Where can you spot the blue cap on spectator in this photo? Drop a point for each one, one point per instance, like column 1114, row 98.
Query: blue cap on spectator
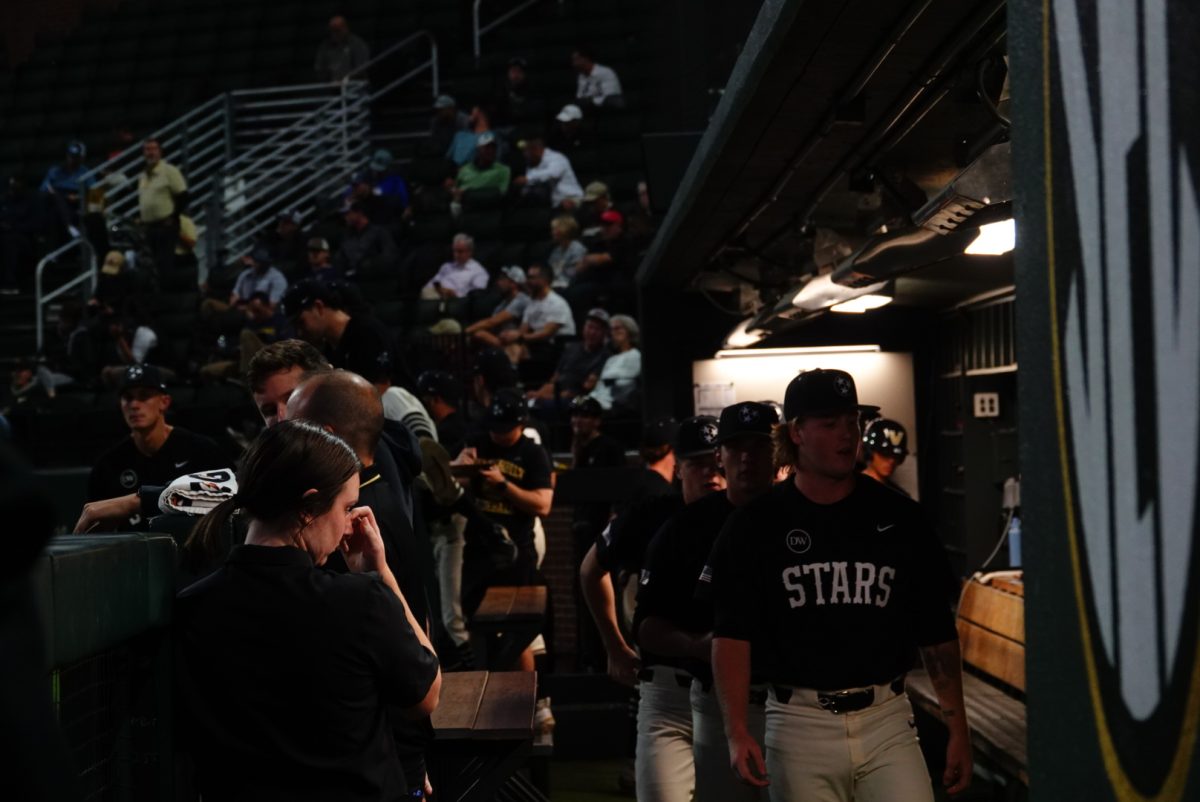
column 486, row 138
column 261, row 255
column 76, row 148
column 445, row 102
column 381, row 160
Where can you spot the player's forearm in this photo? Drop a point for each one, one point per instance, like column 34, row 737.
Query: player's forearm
column 731, row 675
column 943, row 662
column 601, row 599
column 660, row 636
column 532, row 502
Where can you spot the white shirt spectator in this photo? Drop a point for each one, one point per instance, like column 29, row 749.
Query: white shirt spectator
column 401, row 405
column 555, row 169
column 461, row 279
column 602, row 84
column 270, row 281
column 618, row 378
column 551, row 309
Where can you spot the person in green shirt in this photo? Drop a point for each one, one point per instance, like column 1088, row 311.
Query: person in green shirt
column 483, row 172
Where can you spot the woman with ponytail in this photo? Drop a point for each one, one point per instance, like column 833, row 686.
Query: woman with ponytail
column 284, row 669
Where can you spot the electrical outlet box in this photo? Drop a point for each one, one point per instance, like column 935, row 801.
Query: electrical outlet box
column 987, row 405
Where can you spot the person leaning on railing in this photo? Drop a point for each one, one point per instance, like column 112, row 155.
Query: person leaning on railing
column 284, row 670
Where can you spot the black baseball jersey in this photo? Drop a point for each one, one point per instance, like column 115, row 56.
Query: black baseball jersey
column 651, row 502
column 368, row 349
column 123, row 469
column 831, row 596
column 601, row 451
column 674, row 561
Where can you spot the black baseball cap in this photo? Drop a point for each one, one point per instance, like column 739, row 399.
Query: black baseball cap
column 586, row 406
column 746, row 418
column 437, row 382
column 822, row 392
column 495, row 368
column 659, row 432
column 887, row 437
column 303, row 294
column 696, row 436
column 141, row 376
column 506, row 411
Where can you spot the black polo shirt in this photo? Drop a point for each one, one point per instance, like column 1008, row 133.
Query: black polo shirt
column 284, row 672
column 601, row 451
column 527, row 466
column 123, row 469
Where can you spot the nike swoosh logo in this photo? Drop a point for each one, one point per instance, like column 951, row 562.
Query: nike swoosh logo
column 181, row 464
column 882, row 528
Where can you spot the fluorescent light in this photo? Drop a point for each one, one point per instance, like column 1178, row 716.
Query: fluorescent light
column 822, row 293
column 822, row 349
column 741, row 338
column 994, row 239
column 856, row 306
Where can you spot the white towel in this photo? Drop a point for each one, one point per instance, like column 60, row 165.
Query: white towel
column 198, row 493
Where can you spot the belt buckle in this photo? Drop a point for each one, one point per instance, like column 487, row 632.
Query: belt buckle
column 846, row 701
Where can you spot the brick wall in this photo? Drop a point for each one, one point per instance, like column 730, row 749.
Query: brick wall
column 560, row 568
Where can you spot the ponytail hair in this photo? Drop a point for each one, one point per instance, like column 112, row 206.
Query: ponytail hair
column 281, row 465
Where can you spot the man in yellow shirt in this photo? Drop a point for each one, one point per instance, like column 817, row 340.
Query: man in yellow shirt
column 162, row 195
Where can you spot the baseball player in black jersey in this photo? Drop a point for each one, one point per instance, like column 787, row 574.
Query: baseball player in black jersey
column 828, row 585
column 663, row 763
column 885, row 445
column 675, row 620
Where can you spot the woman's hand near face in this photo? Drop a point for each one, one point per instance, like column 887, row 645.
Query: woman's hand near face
column 363, row 548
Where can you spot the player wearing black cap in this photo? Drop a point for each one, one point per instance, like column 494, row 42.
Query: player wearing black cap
column 675, row 619
column 440, row 394
column 829, row 583
column 885, row 445
column 155, row 452
column 663, row 764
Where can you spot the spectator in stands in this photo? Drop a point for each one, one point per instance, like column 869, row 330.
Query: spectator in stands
column 238, row 689
column 286, row 242
column 78, row 354
column 324, row 315
column 640, row 222
column 566, row 258
column 548, row 175
column 514, row 94
column 462, row 146
column 367, row 248
column 591, row 448
column 162, row 197
column 569, row 135
column 30, row 383
column 128, row 344
column 319, row 265
column 458, row 276
column 340, row 54
column 612, row 256
column 547, row 317
column 258, row 276
column 620, row 378
column 507, row 314
column 596, row 201
column 483, row 171
column 492, row 371
column 65, row 183
column 155, row 452
column 19, row 222
column 440, row 394
column 578, row 368
column 447, row 121
column 264, row 324
column 348, row 407
column 597, row 85
column 114, row 285
column 380, row 187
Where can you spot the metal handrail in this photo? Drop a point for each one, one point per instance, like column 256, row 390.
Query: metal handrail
column 478, row 31
column 433, row 56
column 41, row 300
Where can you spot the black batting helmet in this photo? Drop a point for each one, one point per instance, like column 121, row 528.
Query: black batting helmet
column 885, row 436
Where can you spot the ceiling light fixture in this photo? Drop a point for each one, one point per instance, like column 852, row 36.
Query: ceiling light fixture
column 856, row 306
column 821, row 293
column 742, row 336
column 994, row 239
column 806, row 351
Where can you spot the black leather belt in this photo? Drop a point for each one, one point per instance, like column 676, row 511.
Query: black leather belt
column 682, row 680
column 842, row 702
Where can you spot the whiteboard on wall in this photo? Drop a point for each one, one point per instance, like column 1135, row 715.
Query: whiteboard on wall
column 884, row 379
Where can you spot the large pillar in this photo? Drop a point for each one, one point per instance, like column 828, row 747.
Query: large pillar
column 1108, row 289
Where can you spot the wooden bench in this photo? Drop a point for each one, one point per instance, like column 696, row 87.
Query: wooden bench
column 483, row 732
column 514, row 616
column 991, row 632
